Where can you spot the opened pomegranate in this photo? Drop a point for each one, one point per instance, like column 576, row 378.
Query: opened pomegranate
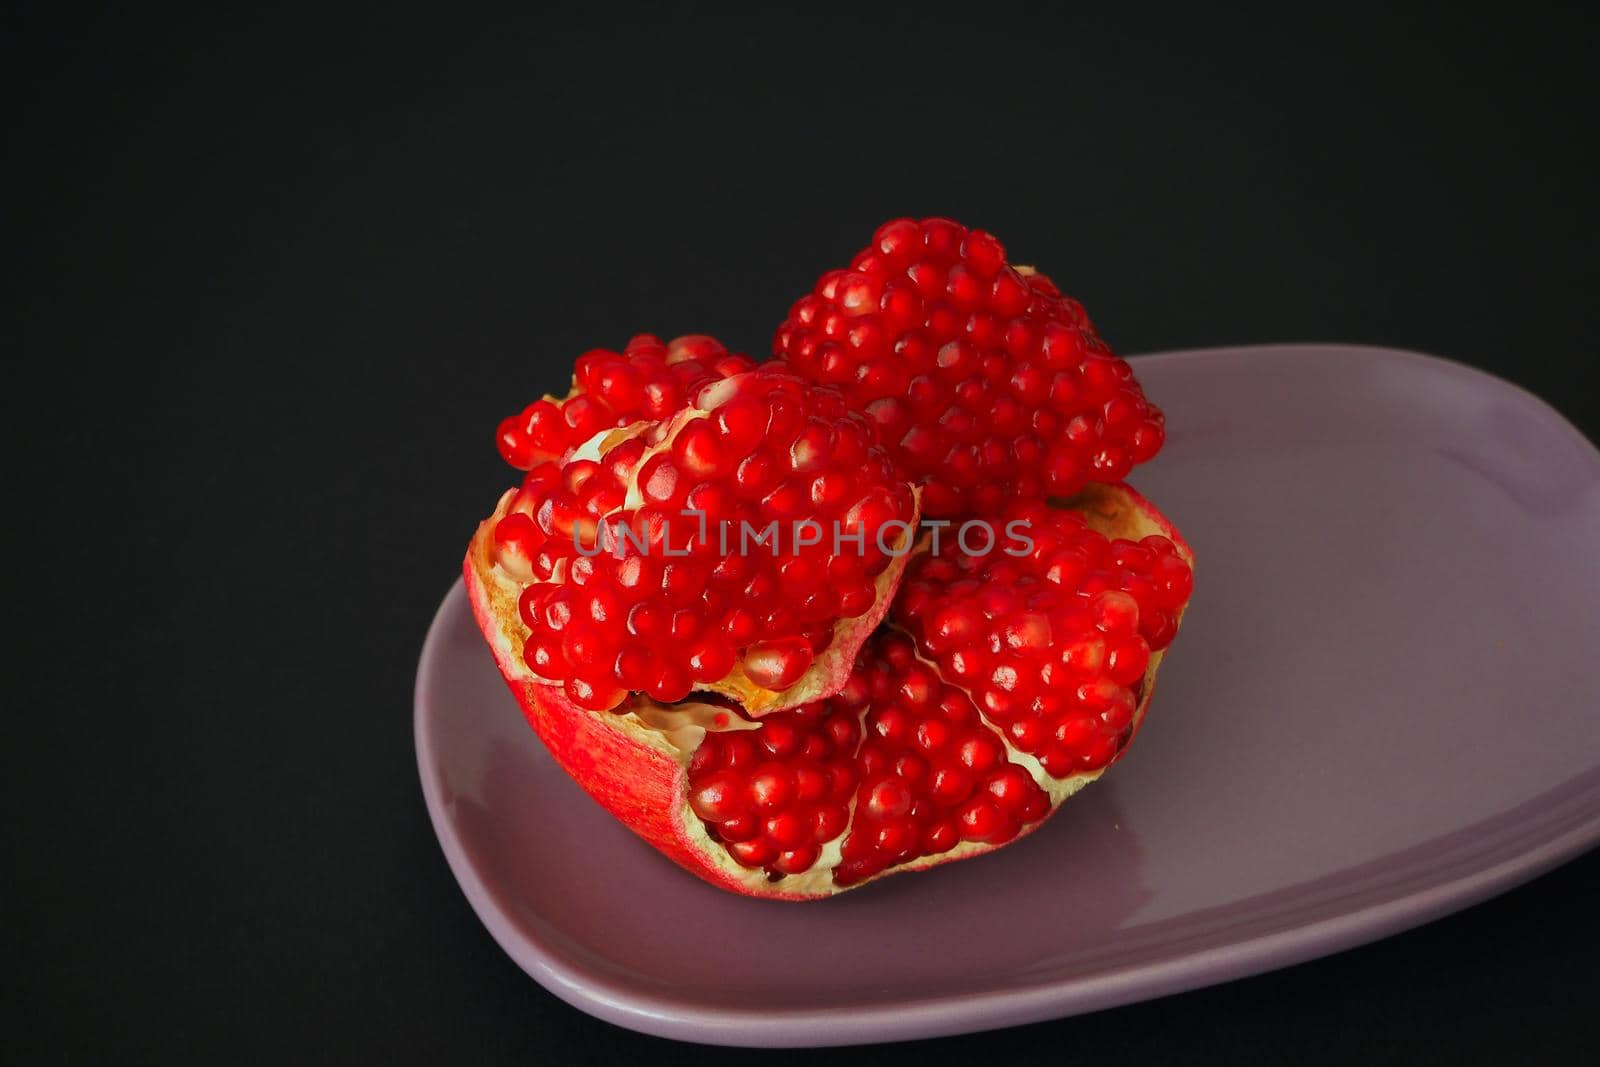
column 744, row 545
column 986, row 382
column 1010, row 674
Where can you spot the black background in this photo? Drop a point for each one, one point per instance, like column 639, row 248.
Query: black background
column 282, row 274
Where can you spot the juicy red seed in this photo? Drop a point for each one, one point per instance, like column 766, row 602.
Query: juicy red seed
column 594, row 696
column 979, row 752
column 756, row 852
column 777, row 664
column 720, row 797
column 771, row 787
column 672, row 684
column 828, row 822
column 710, row 658
column 636, row 667
column 1009, row 787
column 810, row 783
column 1126, row 663
column 787, row 829
column 1115, row 611
column 941, row 836
column 981, row 820
column 894, row 839
column 887, row 799
column 738, row 751
column 517, row 540
column 796, row 860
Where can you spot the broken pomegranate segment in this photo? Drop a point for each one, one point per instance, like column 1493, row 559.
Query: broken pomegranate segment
column 647, row 381
column 745, row 544
column 1052, row 636
column 986, row 382
column 1002, row 684
column 897, row 765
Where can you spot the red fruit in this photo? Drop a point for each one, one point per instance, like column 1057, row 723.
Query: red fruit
column 643, row 534
column 987, row 383
column 905, row 765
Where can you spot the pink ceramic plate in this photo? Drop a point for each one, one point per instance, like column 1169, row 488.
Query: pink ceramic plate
column 1382, row 708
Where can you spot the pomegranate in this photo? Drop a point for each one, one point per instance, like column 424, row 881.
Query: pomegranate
column 987, row 383
column 866, row 692
column 1004, row 681
column 745, row 544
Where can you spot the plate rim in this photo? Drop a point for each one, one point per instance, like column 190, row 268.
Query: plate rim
column 944, row 1014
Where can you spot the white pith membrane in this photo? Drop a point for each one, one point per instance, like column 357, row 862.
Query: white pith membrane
column 678, row 730
column 833, row 661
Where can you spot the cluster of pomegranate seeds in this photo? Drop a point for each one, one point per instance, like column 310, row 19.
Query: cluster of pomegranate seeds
column 933, row 774
column 1052, row 645
column 774, row 796
column 739, row 532
column 986, row 382
column 647, row 380
column 924, row 770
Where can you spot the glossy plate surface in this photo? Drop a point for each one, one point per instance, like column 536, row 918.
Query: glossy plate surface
column 1383, row 707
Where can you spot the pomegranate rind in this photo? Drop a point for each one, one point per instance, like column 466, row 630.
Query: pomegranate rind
column 641, row 777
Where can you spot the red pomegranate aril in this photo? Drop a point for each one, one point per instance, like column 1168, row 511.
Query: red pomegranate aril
column 596, row 697
column 940, row 836
column 1009, row 787
column 828, row 822
column 636, row 668
column 672, row 684
column 950, row 783
column 710, row 658
column 787, row 829
column 894, row 839
column 1115, row 612
column 978, row 753
column 1127, row 661
column 755, row 852
column 978, row 818
column 542, row 653
column 932, row 735
column 771, row 787
column 777, row 664
column 1028, row 734
column 720, row 798
column 517, row 540
column 739, row 751
column 888, row 799
column 796, row 860
column 810, row 783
